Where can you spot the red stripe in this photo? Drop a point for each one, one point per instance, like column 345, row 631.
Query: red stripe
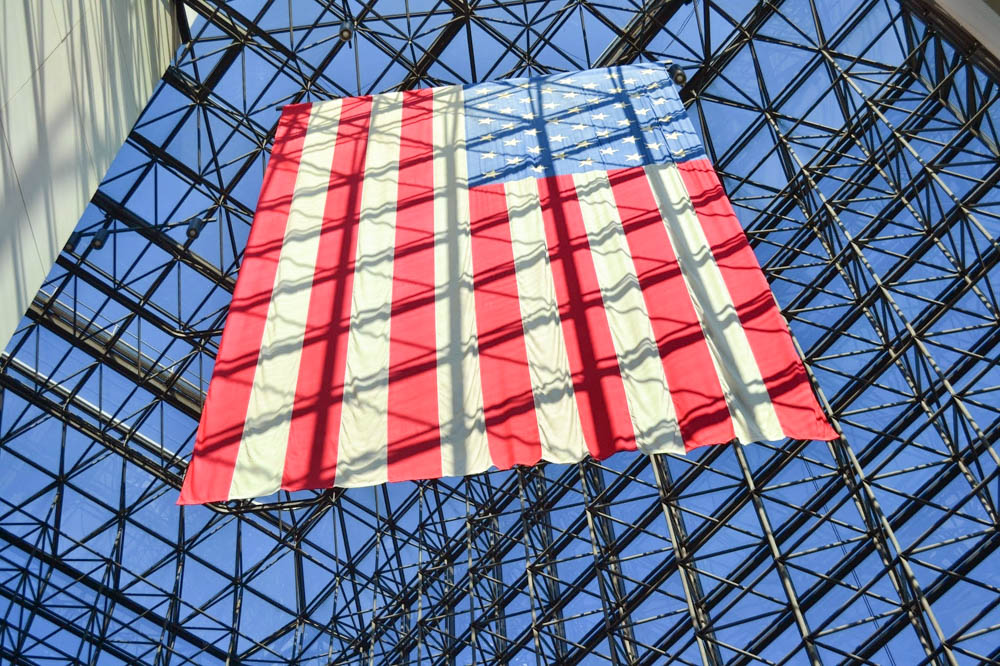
column 414, row 444
column 311, row 458
column 694, row 386
column 210, row 474
column 593, row 362
column 784, row 375
column 511, row 425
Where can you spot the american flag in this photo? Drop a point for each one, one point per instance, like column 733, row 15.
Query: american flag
column 445, row 280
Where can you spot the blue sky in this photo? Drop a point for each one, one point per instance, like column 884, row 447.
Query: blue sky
column 69, row 495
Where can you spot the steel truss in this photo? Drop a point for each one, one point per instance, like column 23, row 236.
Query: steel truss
column 859, row 144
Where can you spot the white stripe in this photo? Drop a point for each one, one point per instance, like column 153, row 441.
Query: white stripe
column 464, row 448
column 548, row 365
column 363, row 442
column 653, row 416
column 260, row 461
column 754, row 418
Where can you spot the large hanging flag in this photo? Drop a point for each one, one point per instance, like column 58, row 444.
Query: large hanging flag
column 443, row 280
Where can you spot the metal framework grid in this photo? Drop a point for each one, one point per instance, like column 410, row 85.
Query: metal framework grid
column 859, row 145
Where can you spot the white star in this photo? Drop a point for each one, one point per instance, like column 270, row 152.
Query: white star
column 599, row 116
column 593, row 100
column 603, row 133
column 629, row 139
column 642, row 112
column 485, row 121
column 609, row 76
column 534, row 150
column 532, row 131
column 614, row 90
column 634, row 157
column 538, row 169
column 590, row 86
column 579, row 128
column 506, row 109
column 559, row 156
column 568, row 80
column 575, row 109
column 507, row 126
column 586, row 162
column 489, row 156
column 653, row 145
column 506, row 94
column 569, row 95
column 583, row 144
column 623, row 122
column 527, row 116
column 523, row 85
column 525, row 100
column 486, row 105
column 513, row 160
column 486, row 137
column 490, row 174
column 680, row 152
column 659, row 101
column 608, row 151
column 557, row 137
column 629, row 81
column 548, row 89
column 549, row 105
column 671, row 135
column 619, row 105
column 511, row 142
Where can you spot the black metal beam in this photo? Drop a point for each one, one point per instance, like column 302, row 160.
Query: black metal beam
column 120, row 598
column 462, row 14
column 145, row 372
column 634, row 38
column 933, row 13
column 454, row 557
column 63, row 404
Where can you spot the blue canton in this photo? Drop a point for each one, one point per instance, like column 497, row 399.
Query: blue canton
column 599, row 119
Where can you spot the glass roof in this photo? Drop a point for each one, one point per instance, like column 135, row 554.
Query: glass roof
column 859, row 147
